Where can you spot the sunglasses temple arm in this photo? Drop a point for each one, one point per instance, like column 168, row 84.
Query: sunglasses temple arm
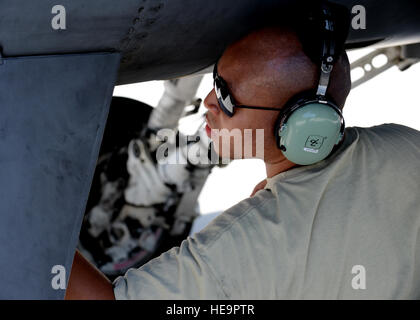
column 258, row 108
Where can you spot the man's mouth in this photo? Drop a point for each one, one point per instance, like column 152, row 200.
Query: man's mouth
column 208, row 128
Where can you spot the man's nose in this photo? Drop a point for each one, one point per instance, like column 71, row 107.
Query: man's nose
column 211, row 103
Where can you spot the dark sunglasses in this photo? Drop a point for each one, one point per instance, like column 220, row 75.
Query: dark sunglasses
column 225, row 99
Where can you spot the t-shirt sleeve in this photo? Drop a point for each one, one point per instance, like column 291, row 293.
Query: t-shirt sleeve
column 180, row 273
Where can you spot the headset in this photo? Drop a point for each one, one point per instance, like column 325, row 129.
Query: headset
column 310, row 124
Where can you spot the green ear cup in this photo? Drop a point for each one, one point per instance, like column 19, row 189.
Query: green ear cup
column 310, row 133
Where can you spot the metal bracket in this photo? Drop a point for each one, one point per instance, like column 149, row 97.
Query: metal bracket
column 395, row 57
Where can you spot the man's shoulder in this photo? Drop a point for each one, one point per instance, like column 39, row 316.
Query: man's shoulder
column 389, row 130
column 393, row 142
column 242, row 213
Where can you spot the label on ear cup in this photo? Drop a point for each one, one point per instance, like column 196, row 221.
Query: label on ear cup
column 310, row 150
column 314, row 142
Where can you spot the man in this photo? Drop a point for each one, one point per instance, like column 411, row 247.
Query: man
column 345, row 227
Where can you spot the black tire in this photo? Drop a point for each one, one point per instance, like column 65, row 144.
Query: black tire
column 126, row 120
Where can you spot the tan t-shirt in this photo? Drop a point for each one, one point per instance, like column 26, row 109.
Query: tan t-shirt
column 347, row 227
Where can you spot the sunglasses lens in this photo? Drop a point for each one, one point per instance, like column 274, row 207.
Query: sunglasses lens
column 223, row 98
column 222, row 93
column 225, row 110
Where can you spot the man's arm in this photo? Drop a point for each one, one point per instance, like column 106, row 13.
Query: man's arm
column 87, row 283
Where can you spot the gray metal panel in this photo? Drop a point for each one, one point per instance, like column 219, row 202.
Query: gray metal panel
column 161, row 39
column 95, row 25
column 52, row 115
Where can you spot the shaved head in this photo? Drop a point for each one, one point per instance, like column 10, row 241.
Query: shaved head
column 273, row 61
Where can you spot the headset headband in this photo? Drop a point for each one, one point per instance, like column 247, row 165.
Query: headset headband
column 328, row 50
column 322, row 28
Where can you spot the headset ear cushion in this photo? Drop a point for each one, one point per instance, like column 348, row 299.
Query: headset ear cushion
column 297, row 99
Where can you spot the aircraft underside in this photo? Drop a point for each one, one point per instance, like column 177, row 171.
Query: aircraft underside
column 56, row 87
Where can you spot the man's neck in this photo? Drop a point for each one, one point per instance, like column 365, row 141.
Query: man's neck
column 275, row 167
